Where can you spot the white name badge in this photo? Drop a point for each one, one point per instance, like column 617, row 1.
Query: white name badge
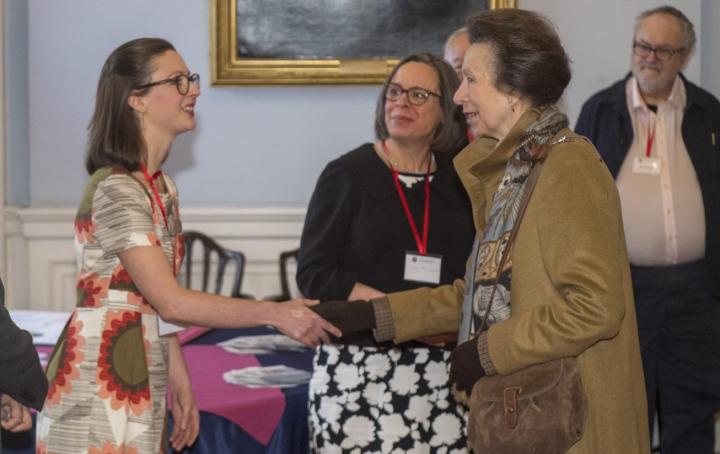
column 167, row 328
column 646, row 166
column 423, row 268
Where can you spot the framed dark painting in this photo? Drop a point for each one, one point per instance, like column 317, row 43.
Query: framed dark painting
column 270, row 42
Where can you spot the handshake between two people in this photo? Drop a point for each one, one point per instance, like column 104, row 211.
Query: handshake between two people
column 358, row 317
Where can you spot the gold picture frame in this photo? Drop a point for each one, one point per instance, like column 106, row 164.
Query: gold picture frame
column 227, row 68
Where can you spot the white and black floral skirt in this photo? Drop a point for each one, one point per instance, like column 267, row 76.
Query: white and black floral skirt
column 384, row 400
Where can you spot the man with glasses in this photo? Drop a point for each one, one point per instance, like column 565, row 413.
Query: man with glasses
column 658, row 134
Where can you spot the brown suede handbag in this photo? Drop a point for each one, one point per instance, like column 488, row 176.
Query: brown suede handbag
column 540, row 409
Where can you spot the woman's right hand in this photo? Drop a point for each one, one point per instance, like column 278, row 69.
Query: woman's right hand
column 295, row 319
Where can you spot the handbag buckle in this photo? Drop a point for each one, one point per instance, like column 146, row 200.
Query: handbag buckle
column 510, row 395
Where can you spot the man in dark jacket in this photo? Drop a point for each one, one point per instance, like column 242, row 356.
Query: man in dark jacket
column 659, row 135
column 22, row 380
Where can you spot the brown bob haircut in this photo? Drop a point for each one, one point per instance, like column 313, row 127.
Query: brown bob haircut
column 115, row 136
column 451, row 134
column 529, row 58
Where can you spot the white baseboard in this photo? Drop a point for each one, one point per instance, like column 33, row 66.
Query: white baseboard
column 40, row 258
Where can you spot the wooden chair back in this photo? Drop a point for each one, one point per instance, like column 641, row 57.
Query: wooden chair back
column 214, row 256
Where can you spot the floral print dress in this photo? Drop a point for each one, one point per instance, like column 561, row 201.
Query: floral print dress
column 108, row 372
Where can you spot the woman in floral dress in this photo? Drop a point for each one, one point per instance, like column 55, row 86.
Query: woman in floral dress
column 111, row 367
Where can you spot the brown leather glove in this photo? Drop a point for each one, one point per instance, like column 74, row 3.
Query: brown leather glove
column 348, row 316
column 465, row 367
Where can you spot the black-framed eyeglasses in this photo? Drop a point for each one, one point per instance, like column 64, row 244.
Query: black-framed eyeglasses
column 416, row 95
column 181, row 82
column 662, row 53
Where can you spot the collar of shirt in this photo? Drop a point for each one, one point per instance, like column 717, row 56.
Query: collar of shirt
column 676, row 100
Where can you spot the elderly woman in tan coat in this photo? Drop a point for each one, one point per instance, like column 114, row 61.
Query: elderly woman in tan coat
column 565, row 289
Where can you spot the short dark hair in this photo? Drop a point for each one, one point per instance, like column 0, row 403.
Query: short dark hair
column 529, row 58
column 451, row 135
column 688, row 29
column 115, row 135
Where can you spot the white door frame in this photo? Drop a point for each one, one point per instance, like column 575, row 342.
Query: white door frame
column 3, row 179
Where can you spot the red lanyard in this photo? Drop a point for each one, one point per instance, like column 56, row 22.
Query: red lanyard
column 470, row 135
column 650, row 140
column 151, row 182
column 421, row 244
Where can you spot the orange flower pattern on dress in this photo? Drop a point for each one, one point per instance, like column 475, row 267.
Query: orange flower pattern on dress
column 109, row 448
column 63, row 365
column 120, row 280
column 84, row 230
column 91, row 289
column 40, row 448
column 138, row 300
column 179, row 253
column 110, row 356
column 122, row 374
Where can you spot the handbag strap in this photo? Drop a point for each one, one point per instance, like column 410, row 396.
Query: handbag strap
column 529, row 187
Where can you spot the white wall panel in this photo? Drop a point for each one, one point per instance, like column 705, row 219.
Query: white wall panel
column 41, row 257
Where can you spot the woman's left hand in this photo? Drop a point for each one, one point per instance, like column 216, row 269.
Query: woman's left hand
column 186, row 417
column 465, row 367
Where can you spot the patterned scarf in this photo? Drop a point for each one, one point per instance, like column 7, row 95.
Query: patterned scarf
column 503, row 214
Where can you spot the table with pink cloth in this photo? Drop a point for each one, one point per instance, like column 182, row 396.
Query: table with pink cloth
column 235, row 418
column 241, row 405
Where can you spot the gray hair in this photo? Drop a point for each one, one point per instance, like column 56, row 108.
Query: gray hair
column 459, row 32
column 688, row 30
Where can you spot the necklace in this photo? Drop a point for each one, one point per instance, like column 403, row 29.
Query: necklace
column 394, row 165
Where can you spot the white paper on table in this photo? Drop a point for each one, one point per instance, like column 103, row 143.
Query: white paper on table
column 262, row 344
column 45, row 326
column 279, row 376
column 166, row 328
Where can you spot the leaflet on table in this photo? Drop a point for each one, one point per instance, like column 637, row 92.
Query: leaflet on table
column 45, row 326
column 165, row 328
column 261, row 344
column 191, row 333
column 279, row 376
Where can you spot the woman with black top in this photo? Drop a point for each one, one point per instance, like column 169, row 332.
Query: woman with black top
column 386, row 217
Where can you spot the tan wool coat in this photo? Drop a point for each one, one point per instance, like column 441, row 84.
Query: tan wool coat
column 571, row 291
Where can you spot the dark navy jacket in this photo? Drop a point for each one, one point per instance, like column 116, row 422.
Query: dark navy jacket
column 605, row 120
column 21, row 376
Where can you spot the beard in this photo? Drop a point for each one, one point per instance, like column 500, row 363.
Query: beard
column 652, row 81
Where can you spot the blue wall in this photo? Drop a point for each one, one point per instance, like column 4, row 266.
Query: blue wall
column 254, row 146
column 17, row 163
